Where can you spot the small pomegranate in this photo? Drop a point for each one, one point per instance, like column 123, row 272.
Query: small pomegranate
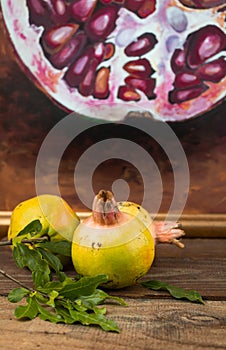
column 118, row 240
column 57, row 218
column 109, row 57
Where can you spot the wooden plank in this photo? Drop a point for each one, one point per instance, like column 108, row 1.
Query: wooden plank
column 201, row 265
column 152, row 320
column 197, row 225
column 145, row 324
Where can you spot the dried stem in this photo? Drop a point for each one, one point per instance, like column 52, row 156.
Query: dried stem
column 31, row 241
column 15, row 280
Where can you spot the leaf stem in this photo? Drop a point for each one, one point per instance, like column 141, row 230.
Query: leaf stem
column 32, row 240
column 15, row 280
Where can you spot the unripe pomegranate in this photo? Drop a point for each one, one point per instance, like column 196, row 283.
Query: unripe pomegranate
column 118, row 240
column 57, row 218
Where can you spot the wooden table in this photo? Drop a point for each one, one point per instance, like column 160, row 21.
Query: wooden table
column 152, row 320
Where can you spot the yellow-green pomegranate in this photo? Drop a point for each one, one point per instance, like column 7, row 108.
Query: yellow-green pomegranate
column 116, row 240
column 56, row 216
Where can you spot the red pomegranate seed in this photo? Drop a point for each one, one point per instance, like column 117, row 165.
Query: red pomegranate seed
column 77, row 71
column 106, row 1
column 133, row 5
column 146, row 9
column 140, row 68
column 59, row 11
column 99, row 51
column 203, row 44
column 213, row 71
column 127, row 93
column 109, row 51
column 102, row 23
column 142, row 45
column 82, row 10
column 179, row 96
column 54, row 38
column 38, row 12
column 86, row 86
column 69, row 52
column 147, row 85
column 178, row 60
column 186, row 79
column 101, row 87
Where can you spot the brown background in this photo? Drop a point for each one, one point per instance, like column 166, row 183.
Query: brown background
column 27, row 115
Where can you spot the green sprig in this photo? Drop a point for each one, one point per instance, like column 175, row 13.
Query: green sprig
column 64, row 299
column 175, row 292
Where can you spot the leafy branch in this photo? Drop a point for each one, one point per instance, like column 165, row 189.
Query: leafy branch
column 56, row 297
column 59, row 305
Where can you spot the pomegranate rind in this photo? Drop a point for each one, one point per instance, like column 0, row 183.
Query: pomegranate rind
column 50, row 80
column 123, row 252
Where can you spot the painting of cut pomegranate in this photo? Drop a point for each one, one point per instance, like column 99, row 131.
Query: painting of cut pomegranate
column 106, row 58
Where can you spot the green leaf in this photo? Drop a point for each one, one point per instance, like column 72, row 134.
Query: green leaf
column 61, row 247
column 49, row 286
column 18, row 257
column 33, row 228
column 28, row 311
column 52, row 260
column 46, row 315
column 31, row 258
column 64, row 313
column 98, row 297
column 17, row 294
column 99, row 319
column 84, row 286
column 176, row 292
column 52, row 296
column 55, row 285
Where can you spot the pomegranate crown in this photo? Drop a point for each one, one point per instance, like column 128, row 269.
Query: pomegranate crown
column 105, row 210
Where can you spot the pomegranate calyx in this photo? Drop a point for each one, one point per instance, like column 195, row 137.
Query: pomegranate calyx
column 105, row 210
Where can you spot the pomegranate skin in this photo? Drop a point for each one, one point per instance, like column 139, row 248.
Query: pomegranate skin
column 118, row 239
column 109, row 96
column 115, row 240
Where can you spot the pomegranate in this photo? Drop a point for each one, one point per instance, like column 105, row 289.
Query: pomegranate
column 118, row 240
column 105, row 58
column 57, row 218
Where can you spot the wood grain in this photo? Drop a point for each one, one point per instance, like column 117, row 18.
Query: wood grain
column 146, row 324
column 201, row 265
column 152, row 320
